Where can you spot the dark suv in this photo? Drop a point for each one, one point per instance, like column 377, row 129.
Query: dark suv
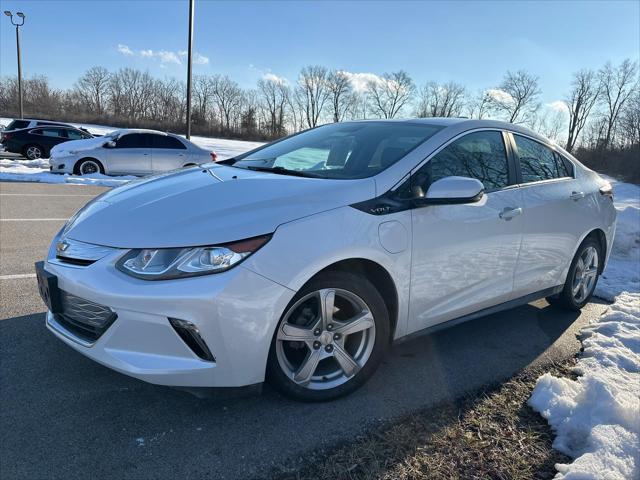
column 37, row 142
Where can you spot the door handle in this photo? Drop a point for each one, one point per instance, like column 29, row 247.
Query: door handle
column 577, row 195
column 508, row 213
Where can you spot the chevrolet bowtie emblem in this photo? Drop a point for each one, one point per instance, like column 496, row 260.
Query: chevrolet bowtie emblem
column 61, row 246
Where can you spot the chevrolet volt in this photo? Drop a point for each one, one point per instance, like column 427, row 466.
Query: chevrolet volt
column 300, row 262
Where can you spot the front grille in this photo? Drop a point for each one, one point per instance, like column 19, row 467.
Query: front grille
column 83, row 318
column 80, row 253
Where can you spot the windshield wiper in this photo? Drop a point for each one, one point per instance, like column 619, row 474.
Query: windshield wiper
column 282, row 171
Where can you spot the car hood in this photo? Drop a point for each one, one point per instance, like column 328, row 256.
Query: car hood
column 205, row 206
column 78, row 145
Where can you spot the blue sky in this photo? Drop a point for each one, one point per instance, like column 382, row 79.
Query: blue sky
column 473, row 43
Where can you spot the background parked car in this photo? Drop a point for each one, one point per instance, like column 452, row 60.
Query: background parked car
column 128, row 152
column 37, row 142
column 21, row 123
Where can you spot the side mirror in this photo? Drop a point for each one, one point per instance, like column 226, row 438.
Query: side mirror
column 454, row 190
column 110, row 144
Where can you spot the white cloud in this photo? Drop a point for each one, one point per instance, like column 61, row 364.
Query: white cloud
column 198, row 58
column 500, row 95
column 125, row 50
column 168, row 57
column 558, row 106
column 360, row 81
column 272, row 77
column 164, row 56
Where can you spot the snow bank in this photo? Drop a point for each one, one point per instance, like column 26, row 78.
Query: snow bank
column 18, row 170
column 596, row 417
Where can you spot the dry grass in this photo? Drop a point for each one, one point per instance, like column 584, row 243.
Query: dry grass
column 491, row 435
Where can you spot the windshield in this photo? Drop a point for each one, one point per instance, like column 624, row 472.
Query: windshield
column 340, row 150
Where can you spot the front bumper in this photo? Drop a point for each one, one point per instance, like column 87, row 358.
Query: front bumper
column 235, row 312
column 61, row 164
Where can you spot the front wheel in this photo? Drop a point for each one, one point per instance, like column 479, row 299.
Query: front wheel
column 581, row 278
column 88, row 166
column 330, row 339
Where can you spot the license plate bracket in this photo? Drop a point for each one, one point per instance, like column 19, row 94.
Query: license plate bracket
column 48, row 288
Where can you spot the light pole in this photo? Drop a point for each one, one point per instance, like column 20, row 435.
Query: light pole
column 18, row 25
column 189, row 54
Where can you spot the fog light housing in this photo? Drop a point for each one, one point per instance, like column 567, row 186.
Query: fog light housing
column 190, row 335
column 61, row 166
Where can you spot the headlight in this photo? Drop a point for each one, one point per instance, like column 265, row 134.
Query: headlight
column 166, row 263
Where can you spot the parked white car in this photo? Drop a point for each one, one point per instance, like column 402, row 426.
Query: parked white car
column 301, row 261
column 127, row 152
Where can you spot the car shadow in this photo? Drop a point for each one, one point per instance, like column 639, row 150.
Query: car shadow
column 63, row 414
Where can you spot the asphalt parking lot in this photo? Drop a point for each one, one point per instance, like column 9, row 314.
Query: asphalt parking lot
column 64, row 416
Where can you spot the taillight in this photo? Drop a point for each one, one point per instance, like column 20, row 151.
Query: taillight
column 606, row 190
column 5, row 136
column 214, row 156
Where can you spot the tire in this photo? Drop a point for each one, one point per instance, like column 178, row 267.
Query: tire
column 33, row 151
column 325, row 339
column 580, row 284
column 88, row 166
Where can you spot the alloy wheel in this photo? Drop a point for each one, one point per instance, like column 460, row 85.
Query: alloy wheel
column 585, row 275
column 325, row 339
column 33, row 153
column 88, row 167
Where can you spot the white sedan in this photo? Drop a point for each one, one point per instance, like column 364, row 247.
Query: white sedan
column 127, row 152
column 301, row 261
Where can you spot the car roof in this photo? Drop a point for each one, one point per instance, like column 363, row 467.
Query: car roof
column 464, row 124
column 126, row 131
column 41, row 120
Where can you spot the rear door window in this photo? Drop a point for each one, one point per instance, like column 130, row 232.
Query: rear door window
column 165, row 141
column 50, row 132
column 538, row 162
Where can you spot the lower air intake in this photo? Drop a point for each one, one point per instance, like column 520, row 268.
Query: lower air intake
column 190, row 334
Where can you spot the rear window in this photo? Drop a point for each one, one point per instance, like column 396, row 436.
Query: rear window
column 16, row 124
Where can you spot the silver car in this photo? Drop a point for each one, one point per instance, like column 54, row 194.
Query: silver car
column 127, row 152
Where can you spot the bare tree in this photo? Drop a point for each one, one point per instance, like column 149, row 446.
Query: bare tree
column 581, row 99
column 437, row 100
column 341, row 95
column 517, row 96
column 312, row 93
column 389, row 94
column 203, row 90
column 274, row 95
column 630, row 120
column 93, row 87
column 479, row 106
column 228, row 99
column 616, row 85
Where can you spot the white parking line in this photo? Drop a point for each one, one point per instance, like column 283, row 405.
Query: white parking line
column 33, row 219
column 46, row 195
column 15, row 277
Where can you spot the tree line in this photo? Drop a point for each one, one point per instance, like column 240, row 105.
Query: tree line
column 599, row 116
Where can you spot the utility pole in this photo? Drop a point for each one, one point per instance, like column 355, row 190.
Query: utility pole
column 18, row 25
column 189, row 64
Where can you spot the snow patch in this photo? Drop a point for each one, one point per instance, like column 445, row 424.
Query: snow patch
column 596, row 417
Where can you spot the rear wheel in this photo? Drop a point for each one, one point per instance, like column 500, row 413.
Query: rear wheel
column 582, row 277
column 33, row 152
column 88, row 166
column 330, row 339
